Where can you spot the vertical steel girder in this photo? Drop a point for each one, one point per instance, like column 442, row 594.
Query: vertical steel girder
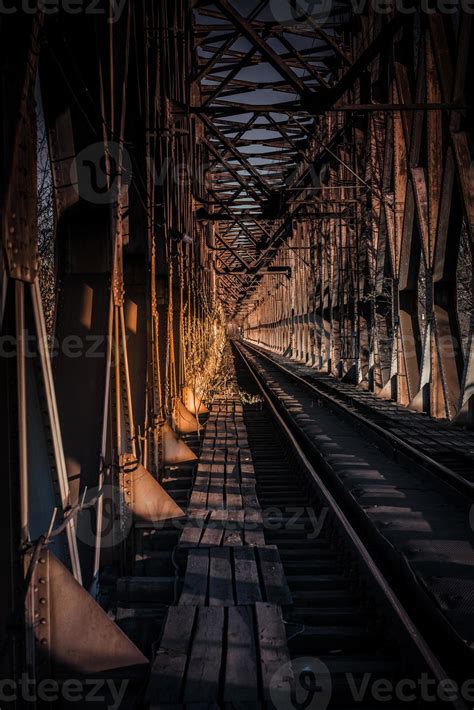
column 59, row 441
column 379, row 296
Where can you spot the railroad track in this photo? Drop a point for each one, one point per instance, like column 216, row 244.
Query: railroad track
column 436, row 454
column 345, row 613
column 442, row 447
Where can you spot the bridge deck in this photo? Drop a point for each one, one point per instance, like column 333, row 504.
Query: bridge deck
column 225, row 638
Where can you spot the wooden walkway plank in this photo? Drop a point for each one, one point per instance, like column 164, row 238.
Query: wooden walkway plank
column 246, row 456
column 204, row 465
column 273, row 576
column 196, row 578
column 194, row 528
column 253, row 529
column 233, row 452
column 249, row 498
column 247, row 469
column 212, row 537
column 169, row 666
column 221, row 588
column 214, row 532
column 215, row 498
column 204, row 668
column 254, row 538
column 232, row 471
column 247, row 583
column 233, row 496
column 241, row 676
column 198, row 499
column 272, row 643
column 207, row 455
column 234, row 531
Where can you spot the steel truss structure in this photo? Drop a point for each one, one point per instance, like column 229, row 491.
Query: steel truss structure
column 306, row 169
column 378, row 217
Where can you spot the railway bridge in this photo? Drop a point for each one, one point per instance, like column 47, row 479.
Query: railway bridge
column 236, row 354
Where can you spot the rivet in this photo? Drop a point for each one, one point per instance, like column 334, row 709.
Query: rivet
column 42, row 580
column 43, row 642
column 43, row 622
column 42, row 600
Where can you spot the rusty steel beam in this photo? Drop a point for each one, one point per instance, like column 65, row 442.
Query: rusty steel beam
column 249, row 32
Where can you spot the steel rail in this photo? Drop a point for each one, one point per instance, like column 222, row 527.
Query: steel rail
column 429, row 465
column 356, row 543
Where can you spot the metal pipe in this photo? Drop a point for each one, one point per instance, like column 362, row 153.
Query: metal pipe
column 105, row 421
column 127, row 383
column 22, row 412
column 56, row 436
column 118, row 402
